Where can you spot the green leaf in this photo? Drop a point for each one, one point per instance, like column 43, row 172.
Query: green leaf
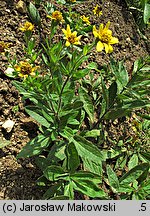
column 35, row 113
column 133, row 174
column 85, row 175
column 72, row 157
column 68, row 190
column 125, row 188
column 112, row 93
column 92, row 66
column 146, row 155
column 87, row 103
column 35, row 146
column 143, row 176
column 135, row 104
column 80, row 73
column 133, row 161
column 34, row 14
column 112, row 178
column 93, row 133
column 105, row 94
column 88, row 188
column 120, row 73
column 76, row 105
column 42, row 162
column 52, row 191
column 54, row 173
column 87, row 150
column 4, row 143
column 109, row 154
column 146, row 187
column 116, row 113
column 67, row 133
column 60, row 198
column 93, row 167
column 41, row 181
column 146, row 13
column 57, row 152
column 19, row 86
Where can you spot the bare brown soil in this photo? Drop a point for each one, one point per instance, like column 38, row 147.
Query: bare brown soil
column 17, row 177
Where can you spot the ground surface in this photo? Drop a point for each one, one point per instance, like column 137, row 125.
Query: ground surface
column 17, row 177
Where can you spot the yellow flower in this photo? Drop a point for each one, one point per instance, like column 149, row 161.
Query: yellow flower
column 56, row 15
column 25, row 69
column 105, row 38
column 71, row 37
column 86, row 20
column 97, row 10
column 73, row 1
column 3, row 47
column 27, row 27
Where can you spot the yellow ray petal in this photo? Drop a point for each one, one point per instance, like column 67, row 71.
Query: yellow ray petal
column 110, row 48
column 68, row 29
column 106, row 48
column 107, row 25
column 67, row 43
column 99, row 46
column 95, row 33
column 101, row 27
column 114, row 40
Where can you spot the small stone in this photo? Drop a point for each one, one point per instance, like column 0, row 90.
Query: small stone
column 3, row 87
column 9, row 72
column 21, row 7
column 8, row 125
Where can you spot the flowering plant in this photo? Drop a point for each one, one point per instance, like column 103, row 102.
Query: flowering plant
column 72, row 109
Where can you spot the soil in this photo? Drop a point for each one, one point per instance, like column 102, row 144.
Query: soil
column 18, row 177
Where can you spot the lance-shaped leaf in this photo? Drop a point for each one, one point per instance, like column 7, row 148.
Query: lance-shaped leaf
column 86, row 149
column 89, row 188
column 133, row 174
column 34, row 14
column 54, row 173
column 72, row 157
column 37, row 114
column 87, row 103
column 112, row 178
column 35, row 146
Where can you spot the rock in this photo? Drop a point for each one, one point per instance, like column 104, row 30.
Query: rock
column 9, row 72
column 8, row 125
column 21, row 7
column 3, row 87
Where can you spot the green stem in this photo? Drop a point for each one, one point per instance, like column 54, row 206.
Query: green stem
column 60, row 96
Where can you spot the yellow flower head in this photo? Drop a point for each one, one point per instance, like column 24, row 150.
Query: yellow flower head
column 97, row 10
column 73, row 1
column 27, row 27
column 57, row 16
column 71, row 37
column 3, row 47
column 105, row 38
column 25, row 69
column 86, row 20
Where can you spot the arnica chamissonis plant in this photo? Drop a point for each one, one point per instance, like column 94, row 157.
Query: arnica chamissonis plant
column 28, row 26
column 71, row 37
column 57, row 16
column 105, row 38
column 97, row 10
column 3, row 47
column 85, row 19
column 25, row 69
